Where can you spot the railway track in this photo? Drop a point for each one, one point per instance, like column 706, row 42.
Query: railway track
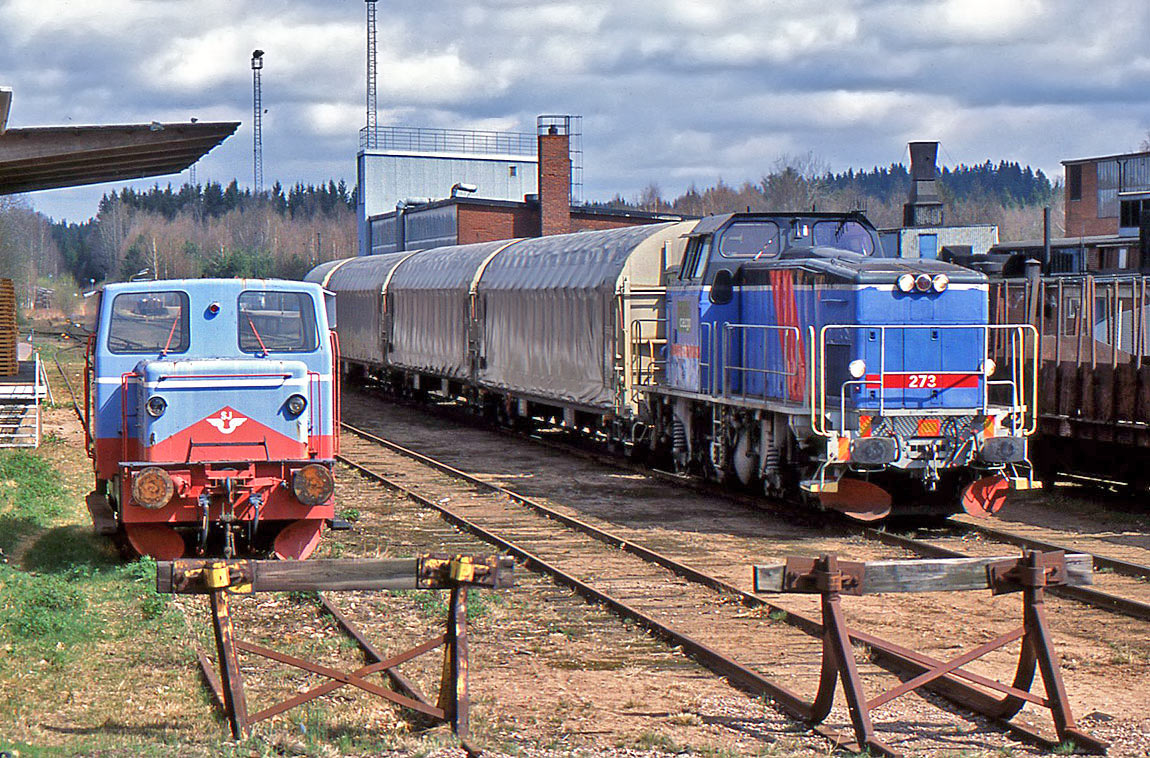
column 1129, row 598
column 697, row 611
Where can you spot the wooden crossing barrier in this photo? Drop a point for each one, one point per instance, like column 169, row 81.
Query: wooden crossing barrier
column 222, row 579
column 1030, row 574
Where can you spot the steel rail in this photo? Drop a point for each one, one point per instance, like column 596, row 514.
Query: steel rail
column 1101, row 562
column 1094, row 597
column 898, row 660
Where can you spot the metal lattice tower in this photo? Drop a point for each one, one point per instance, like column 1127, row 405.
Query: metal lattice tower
column 371, row 74
column 257, row 122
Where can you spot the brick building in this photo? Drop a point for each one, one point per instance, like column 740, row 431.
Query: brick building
column 462, row 220
column 1106, row 199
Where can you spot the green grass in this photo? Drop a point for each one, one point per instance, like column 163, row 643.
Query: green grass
column 432, row 604
column 32, row 497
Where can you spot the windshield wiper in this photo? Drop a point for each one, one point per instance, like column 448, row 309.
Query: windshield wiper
column 257, row 334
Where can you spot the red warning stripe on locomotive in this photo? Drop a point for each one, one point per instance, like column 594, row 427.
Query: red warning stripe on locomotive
column 924, row 380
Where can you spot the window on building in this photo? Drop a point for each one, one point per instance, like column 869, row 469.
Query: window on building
column 1074, row 181
column 1132, row 212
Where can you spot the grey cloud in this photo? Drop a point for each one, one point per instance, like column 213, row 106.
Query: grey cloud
column 672, row 91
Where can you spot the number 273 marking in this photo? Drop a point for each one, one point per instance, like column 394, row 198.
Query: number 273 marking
column 922, row 381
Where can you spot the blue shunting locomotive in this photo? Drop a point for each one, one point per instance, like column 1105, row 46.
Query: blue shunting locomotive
column 797, row 358
column 772, row 349
column 212, row 416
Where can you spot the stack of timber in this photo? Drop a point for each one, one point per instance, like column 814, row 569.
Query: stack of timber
column 8, row 334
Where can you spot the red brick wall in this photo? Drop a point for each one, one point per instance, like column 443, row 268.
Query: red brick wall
column 594, row 223
column 554, row 184
column 1082, row 215
column 480, row 224
column 486, row 224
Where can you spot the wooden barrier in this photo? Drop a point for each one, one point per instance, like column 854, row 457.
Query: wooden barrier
column 221, row 579
column 1030, row 574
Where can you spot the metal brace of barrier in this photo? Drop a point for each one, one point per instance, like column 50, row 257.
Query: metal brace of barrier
column 221, row 579
column 1030, row 574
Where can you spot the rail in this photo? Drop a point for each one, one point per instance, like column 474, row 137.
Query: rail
column 1022, row 385
column 961, row 688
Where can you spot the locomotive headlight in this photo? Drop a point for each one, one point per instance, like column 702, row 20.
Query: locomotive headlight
column 989, row 367
column 940, row 282
column 922, row 282
column 313, row 484
column 295, row 405
column 156, row 406
column 857, row 368
column 152, row 488
column 906, row 282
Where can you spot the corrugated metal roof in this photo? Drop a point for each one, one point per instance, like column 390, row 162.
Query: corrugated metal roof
column 445, row 268
column 47, row 157
column 568, row 261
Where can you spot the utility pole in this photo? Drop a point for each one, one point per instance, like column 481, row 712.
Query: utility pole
column 257, row 122
column 371, row 103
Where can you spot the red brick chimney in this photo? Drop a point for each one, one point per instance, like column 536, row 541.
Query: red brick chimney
column 554, row 181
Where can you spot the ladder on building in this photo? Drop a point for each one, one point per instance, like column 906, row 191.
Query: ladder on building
column 21, row 396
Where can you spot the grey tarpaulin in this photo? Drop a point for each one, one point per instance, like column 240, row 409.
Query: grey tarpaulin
column 429, row 300
column 549, row 320
column 358, row 284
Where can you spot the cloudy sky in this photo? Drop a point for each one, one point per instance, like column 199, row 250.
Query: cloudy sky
column 671, row 91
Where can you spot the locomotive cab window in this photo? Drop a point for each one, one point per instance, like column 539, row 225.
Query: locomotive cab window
column 845, row 235
column 695, row 259
column 276, row 322
column 149, row 323
column 750, row 239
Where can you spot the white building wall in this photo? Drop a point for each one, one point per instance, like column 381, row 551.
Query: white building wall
column 385, row 177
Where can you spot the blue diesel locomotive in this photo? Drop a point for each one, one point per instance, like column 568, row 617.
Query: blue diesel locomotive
column 798, row 358
column 776, row 350
column 212, row 416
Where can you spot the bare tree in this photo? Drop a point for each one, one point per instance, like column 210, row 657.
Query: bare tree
column 795, row 183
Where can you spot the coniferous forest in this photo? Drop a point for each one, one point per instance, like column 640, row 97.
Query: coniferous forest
column 225, row 230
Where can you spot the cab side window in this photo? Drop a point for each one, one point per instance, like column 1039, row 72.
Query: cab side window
column 695, row 259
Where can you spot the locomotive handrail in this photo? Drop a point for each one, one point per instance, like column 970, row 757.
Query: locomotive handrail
column 1016, row 333
column 729, row 329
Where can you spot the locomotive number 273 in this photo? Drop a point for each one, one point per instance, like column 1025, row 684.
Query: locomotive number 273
column 922, row 381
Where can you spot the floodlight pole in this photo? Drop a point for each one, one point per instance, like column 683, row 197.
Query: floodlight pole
column 371, row 77
column 257, row 122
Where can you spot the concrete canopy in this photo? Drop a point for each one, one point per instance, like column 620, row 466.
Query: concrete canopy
column 46, row 157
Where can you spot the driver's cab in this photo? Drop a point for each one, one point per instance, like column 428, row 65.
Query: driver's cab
column 746, row 270
column 238, row 355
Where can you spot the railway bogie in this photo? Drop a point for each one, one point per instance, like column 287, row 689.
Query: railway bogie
column 769, row 350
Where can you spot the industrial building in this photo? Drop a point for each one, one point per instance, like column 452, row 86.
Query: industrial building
column 923, row 233
column 1107, row 206
column 434, row 187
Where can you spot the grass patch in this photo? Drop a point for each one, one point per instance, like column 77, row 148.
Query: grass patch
column 44, row 617
column 432, row 604
column 33, row 496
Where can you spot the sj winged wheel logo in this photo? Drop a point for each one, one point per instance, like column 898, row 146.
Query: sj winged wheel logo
column 227, row 422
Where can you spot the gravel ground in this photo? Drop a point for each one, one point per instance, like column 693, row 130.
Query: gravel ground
column 1107, row 659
